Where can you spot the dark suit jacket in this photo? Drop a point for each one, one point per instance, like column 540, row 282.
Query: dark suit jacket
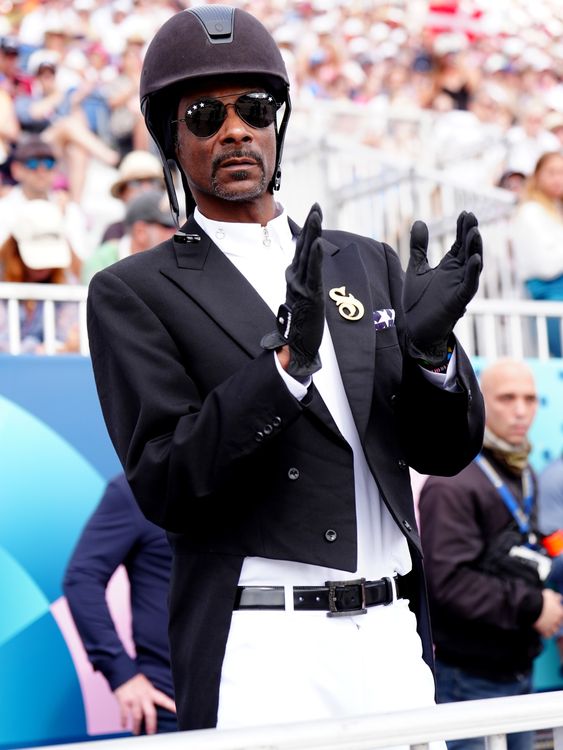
column 117, row 534
column 186, row 389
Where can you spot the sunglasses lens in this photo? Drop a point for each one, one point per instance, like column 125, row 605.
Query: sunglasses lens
column 257, row 109
column 204, row 118
column 35, row 163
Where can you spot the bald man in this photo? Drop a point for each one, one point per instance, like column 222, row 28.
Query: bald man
column 489, row 607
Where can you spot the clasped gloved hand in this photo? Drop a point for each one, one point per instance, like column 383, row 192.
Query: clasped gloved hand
column 300, row 320
column 435, row 298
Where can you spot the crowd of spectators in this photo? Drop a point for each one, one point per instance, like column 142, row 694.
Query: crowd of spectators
column 489, row 75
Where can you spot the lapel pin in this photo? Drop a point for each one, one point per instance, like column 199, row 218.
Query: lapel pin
column 348, row 306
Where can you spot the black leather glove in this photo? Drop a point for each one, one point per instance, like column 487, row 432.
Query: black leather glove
column 435, row 298
column 300, row 320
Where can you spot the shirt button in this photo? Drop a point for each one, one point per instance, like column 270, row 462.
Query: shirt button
column 394, row 399
column 331, row 535
column 259, row 436
column 293, row 473
column 268, row 429
column 402, row 463
column 276, row 421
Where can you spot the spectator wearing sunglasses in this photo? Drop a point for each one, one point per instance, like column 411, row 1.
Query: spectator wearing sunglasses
column 36, row 172
column 266, row 387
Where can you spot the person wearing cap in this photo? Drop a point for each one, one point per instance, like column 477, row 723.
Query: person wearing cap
column 148, row 222
column 37, row 251
column 34, row 168
column 139, row 170
column 272, row 441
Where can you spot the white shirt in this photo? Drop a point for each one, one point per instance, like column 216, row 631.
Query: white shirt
column 382, row 548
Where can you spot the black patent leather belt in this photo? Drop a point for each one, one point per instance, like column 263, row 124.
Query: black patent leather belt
column 336, row 598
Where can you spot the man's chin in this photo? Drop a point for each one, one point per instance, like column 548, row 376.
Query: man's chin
column 240, row 188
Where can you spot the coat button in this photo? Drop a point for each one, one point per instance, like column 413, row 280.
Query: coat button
column 407, row 525
column 394, row 399
column 402, row 463
column 276, row 421
column 293, row 473
column 259, row 436
column 331, row 535
column 267, row 429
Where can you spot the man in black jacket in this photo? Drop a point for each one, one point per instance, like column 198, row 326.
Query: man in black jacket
column 489, row 608
column 273, row 441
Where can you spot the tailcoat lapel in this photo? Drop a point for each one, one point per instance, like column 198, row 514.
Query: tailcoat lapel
column 213, row 282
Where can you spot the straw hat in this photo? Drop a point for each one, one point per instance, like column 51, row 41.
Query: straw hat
column 137, row 165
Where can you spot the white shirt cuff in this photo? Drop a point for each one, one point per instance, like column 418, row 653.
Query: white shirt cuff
column 445, row 380
column 297, row 389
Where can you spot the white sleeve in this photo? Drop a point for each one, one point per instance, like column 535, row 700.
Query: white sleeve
column 297, row 389
column 446, row 380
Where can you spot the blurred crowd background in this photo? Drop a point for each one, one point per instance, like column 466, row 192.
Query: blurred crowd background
column 489, row 70
column 468, row 87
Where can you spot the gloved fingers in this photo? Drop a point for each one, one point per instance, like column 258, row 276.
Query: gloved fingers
column 465, row 227
column 309, row 236
column 470, row 282
column 419, row 247
column 314, row 273
column 458, row 233
column 474, row 243
column 312, row 225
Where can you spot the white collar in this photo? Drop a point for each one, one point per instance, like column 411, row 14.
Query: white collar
column 236, row 238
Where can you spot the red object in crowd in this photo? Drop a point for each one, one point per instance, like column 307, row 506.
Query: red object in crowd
column 447, row 17
column 553, row 544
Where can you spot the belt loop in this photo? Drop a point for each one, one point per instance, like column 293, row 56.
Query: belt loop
column 393, row 586
column 288, row 596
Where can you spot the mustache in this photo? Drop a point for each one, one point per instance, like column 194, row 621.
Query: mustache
column 237, row 154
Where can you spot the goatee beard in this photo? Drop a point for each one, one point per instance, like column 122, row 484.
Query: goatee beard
column 223, row 191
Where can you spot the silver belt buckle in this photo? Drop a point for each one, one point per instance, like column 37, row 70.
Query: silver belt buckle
column 332, row 598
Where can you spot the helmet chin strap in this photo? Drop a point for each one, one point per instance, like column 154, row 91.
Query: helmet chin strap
column 280, row 135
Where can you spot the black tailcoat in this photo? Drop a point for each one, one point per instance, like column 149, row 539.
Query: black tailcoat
column 189, row 397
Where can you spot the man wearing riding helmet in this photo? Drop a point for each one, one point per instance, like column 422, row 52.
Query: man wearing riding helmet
column 273, row 441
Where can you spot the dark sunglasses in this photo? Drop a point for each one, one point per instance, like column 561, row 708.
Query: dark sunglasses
column 204, row 117
column 37, row 162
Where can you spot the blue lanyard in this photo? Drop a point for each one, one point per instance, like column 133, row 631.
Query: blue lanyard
column 520, row 515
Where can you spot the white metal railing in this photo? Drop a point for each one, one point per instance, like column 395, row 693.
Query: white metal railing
column 364, row 190
column 490, row 328
column 491, row 718
column 517, row 328
column 50, row 295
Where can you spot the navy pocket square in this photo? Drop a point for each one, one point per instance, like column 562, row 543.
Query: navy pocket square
column 384, row 318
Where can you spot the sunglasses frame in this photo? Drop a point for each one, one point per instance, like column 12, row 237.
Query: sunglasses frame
column 264, row 96
column 34, row 162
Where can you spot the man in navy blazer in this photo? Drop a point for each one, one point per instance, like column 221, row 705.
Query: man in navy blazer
column 273, row 441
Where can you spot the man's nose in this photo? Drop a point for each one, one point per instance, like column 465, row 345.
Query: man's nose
column 234, row 128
